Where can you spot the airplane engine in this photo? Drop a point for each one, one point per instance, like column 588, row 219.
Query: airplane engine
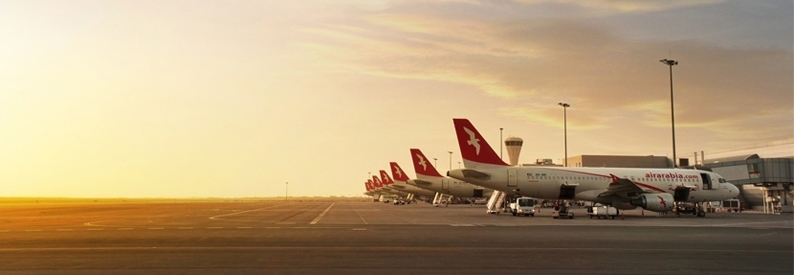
column 661, row 202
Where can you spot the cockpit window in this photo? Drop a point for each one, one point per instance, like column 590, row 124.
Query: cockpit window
column 721, row 180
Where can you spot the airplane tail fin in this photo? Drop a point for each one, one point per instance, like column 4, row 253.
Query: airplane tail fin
column 397, row 173
column 473, row 147
column 422, row 165
column 384, row 177
column 368, row 185
column 376, row 182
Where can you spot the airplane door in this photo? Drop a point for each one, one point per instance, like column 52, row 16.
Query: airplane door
column 512, row 179
column 706, row 181
column 444, row 184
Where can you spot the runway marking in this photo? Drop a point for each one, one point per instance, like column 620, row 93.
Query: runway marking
column 272, row 227
column 322, row 214
column 214, row 227
column 184, row 228
column 216, row 217
column 155, row 228
column 64, row 230
column 359, row 229
column 749, row 224
column 96, row 229
column 126, row 228
column 243, row 227
column 379, row 249
column 359, row 215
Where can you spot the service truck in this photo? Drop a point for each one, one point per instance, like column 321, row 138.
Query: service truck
column 523, row 206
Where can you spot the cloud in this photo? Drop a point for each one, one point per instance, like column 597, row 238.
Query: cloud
column 716, row 85
column 627, row 5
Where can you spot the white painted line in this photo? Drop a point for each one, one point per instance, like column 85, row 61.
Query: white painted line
column 359, row 229
column 125, row 228
column 217, row 217
column 95, row 229
column 64, row 230
column 322, row 214
column 359, row 216
column 184, row 228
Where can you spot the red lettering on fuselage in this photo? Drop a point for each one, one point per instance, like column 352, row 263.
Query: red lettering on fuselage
column 670, row 176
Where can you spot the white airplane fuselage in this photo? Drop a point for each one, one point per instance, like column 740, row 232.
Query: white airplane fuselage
column 450, row 186
column 585, row 183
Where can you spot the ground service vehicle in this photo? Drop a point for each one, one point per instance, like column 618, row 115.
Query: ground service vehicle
column 523, row 206
column 562, row 212
column 602, row 211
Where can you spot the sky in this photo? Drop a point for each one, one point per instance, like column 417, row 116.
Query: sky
column 307, row 98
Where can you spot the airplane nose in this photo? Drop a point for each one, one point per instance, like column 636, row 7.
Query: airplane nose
column 734, row 189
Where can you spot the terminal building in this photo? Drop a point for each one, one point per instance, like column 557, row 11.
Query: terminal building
column 764, row 173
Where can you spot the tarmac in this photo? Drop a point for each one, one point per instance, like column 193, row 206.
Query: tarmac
column 364, row 237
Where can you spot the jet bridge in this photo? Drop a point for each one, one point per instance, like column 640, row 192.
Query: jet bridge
column 765, row 182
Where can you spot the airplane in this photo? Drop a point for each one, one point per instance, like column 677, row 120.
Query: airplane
column 383, row 187
column 384, row 191
column 623, row 188
column 399, row 184
column 370, row 191
column 373, row 191
column 427, row 177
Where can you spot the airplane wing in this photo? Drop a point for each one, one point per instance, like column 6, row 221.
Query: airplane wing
column 421, row 182
column 398, row 186
column 620, row 186
column 640, row 194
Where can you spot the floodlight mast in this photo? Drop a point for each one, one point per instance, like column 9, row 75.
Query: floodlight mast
column 565, row 127
column 671, row 63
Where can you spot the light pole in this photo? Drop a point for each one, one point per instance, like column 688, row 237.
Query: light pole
column 458, row 164
column 670, row 63
column 565, row 127
column 450, row 159
column 500, row 142
column 286, row 190
column 435, row 163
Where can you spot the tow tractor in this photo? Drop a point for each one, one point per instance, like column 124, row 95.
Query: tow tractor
column 689, row 208
column 561, row 211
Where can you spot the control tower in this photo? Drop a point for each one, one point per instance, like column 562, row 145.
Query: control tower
column 513, row 145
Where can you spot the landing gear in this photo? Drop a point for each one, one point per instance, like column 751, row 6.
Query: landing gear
column 699, row 208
